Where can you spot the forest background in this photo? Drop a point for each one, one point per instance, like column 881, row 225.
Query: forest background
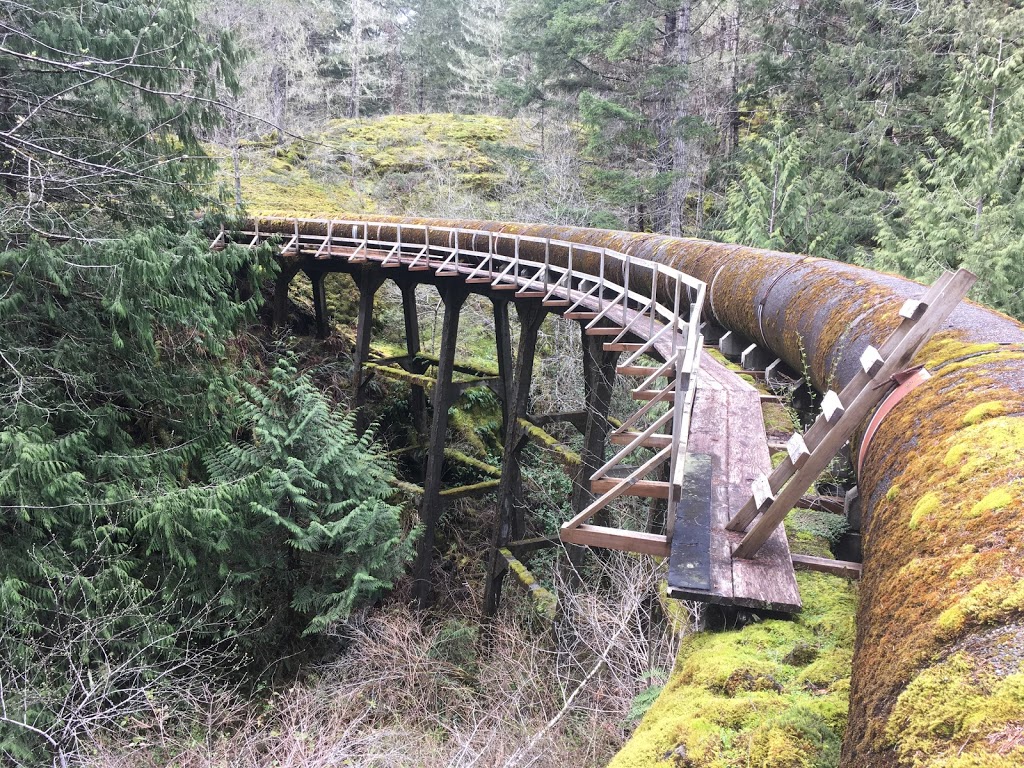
column 183, row 497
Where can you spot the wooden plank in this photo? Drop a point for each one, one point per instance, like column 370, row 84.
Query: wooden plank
column 654, row 441
column 843, row 568
column 525, row 546
column 766, row 581
column 641, row 370
column 622, row 346
column 653, row 394
column 578, row 315
column 834, row 504
column 616, row 538
column 604, row 330
column 707, row 436
column 651, row 489
column 689, row 565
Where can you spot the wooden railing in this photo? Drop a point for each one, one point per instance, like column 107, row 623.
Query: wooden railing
column 617, row 295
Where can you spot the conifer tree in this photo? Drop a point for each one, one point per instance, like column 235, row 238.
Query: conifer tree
column 963, row 204
column 311, row 532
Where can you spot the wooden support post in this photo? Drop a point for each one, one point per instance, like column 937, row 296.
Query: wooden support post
column 503, row 343
column 318, row 277
column 511, row 521
column 367, row 281
column 598, row 381
column 284, row 280
column 431, row 507
column 417, row 395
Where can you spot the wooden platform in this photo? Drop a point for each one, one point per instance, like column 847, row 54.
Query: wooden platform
column 727, row 450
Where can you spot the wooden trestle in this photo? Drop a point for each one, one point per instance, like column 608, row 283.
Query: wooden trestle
column 696, row 440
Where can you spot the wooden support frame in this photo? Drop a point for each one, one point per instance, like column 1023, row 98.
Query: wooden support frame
column 834, row 427
column 603, row 291
column 454, row 296
column 511, row 522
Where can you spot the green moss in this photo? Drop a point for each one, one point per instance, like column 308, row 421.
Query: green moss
column 957, row 713
column 925, row 506
column 984, row 411
column 778, row 419
column 737, row 698
column 469, row 461
column 993, row 500
column 544, row 602
column 566, row 455
column 988, row 602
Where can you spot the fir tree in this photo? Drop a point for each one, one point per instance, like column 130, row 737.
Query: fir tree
column 963, row 205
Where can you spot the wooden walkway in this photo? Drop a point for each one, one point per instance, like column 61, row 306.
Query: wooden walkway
column 729, row 451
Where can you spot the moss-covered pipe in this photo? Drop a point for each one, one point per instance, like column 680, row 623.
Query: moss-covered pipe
column 937, row 676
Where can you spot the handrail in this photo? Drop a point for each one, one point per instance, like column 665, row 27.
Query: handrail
column 671, row 329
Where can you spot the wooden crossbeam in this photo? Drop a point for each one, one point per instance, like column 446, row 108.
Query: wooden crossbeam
column 651, row 489
column 617, row 538
column 623, row 346
column 654, row 441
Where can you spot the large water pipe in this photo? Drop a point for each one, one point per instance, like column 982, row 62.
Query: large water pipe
column 941, row 615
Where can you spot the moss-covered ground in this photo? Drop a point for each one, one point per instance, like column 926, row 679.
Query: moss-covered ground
column 773, row 694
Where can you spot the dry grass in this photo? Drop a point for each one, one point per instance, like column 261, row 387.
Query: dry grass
column 414, row 690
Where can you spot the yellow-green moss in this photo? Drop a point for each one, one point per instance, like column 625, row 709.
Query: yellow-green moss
column 750, row 697
column 566, row 455
column 958, row 714
column 925, row 506
column 778, row 419
column 469, row 461
column 993, row 500
column 544, row 601
column 984, row 411
column 987, row 602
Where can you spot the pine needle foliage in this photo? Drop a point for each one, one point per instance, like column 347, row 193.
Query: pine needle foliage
column 103, row 104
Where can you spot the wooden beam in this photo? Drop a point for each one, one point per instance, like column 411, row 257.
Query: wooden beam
column 617, row 538
column 842, row 568
column 453, row 295
column 654, row 441
column 622, row 346
column 651, row 489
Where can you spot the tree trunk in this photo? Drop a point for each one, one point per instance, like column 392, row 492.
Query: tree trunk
column 355, row 80
column 278, row 91
column 678, row 56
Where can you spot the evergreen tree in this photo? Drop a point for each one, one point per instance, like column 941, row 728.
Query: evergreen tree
column 312, row 534
column 963, row 204
column 768, row 205
column 102, row 108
